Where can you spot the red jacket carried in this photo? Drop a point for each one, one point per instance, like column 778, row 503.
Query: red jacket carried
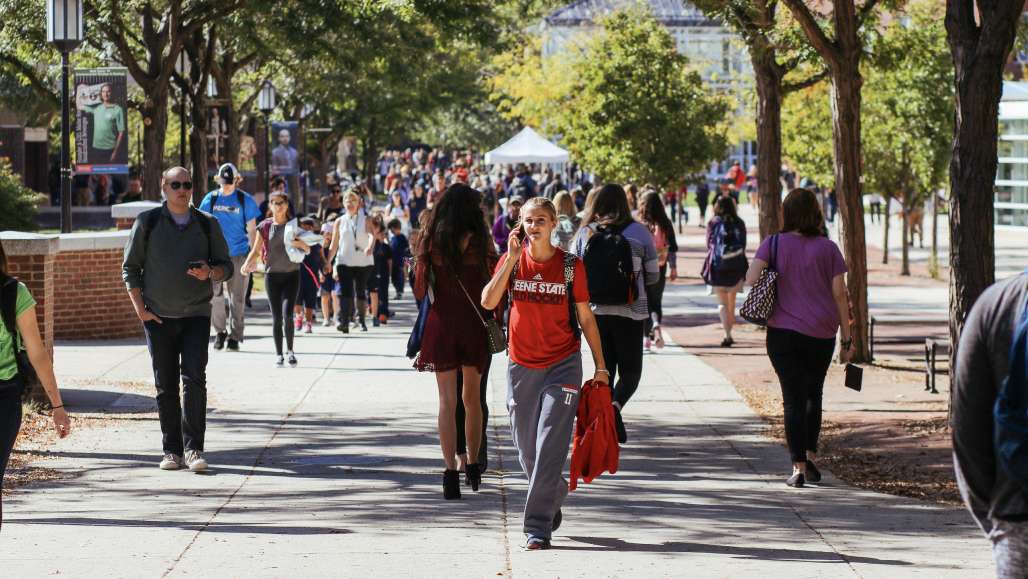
column 595, row 447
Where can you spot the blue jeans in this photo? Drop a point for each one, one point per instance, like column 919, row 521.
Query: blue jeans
column 10, row 423
column 178, row 348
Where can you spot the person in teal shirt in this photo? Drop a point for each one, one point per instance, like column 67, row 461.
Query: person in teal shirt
column 108, row 127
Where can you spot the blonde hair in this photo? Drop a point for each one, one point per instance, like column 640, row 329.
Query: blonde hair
column 539, row 203
column 565, row 204
column 351, row 193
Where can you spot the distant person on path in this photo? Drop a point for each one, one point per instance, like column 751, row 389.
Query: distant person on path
column 725, row 266
column 331, row 203
column 983, row 369
column 621, row 263
column 329, row 291
column 352, row 245
column 544, row 374
column 567, row 221
column 454, row 258
column 507, row 221
column 383, row 254
column 655, row 218
column 173, row 254
column 702, row 199
column 310, row 281
column 20, row 332
column 400, row 249
column 282, row 253
column 237, row 215
column 812, row 307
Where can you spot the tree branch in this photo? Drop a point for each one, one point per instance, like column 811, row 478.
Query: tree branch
column 812, row 30
column 29, row 72
column 865, row 11
column 805, row 83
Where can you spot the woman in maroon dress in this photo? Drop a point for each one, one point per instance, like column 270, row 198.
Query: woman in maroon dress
column 454, row 261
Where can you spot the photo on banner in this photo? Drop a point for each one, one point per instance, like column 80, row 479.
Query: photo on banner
column 101, row 124
column 285, row 157
column 217, row 137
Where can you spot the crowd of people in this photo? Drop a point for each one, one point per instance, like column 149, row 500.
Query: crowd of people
column 510, row 261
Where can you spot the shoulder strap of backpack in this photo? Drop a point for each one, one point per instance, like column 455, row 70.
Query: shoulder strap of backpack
column 153, row 217
column 570, row 261
column 242, row 203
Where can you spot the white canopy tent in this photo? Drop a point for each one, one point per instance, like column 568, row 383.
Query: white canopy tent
column 527, row 146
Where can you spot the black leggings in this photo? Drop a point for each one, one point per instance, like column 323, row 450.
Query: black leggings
column 10, row 423
column 462, row 438
column 353, row 281
column 801, row 363
column 282, row 288
column 656, row 299
column 622, row 341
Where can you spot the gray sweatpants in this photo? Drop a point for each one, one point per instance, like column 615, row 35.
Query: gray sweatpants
column 1010, row 548
column 542, row 404
column 227, row 305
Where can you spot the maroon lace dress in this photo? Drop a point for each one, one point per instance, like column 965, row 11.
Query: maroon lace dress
column 454, row 335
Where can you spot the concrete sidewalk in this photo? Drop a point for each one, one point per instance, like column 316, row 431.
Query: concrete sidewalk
column 332, row 469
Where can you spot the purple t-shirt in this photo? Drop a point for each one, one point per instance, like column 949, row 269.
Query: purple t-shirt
column 806, row 267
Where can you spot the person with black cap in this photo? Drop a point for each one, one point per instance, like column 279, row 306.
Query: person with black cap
column 236, row 212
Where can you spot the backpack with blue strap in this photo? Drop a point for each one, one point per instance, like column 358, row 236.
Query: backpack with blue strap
column 1011, row 409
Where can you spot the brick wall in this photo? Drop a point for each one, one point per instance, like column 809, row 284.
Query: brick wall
column 33, row 271
column 90, row 301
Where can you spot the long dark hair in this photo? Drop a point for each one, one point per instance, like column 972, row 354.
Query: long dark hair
column 724, row 208
column 456, row 215
column 802, row 213
column 652, row 212
column 608, row 207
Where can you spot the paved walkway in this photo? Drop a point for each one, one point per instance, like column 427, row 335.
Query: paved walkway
column 332, row 470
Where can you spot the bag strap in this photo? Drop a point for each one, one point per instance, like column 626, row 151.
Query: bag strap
column 9, row 298
column 774, row 253
column 569, row 282
column 510, row 286
column 474, row 306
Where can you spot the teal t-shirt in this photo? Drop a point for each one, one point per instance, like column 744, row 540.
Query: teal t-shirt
column 107, row 123
column 8, row 364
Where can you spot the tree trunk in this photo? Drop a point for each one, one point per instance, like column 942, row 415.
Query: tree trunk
column 907, row 203
column 769, row 139
column 198, row 149
column 979, row 54
column 846, row 83
column 885, row 241
column 154, row 110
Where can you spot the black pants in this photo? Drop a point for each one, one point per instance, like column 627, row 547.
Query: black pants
column 10, row 424
column 282, row 288
column 622, row 340
column 178, row 348
column 702, row 204
column 462, row 437
column 656, row 297
column 397, row 275
column 353, row 281
column 801, row 363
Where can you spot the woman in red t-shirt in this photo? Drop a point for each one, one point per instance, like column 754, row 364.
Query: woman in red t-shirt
column 544, row 374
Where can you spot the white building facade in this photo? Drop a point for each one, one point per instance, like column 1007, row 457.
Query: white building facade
column 717, row 53
column 1011, row 203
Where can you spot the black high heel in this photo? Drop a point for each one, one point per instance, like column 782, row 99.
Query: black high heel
column 474, row 476
column 451, row 485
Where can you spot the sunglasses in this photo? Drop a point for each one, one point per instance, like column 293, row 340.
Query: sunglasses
column 176, row 185
column 278, row 202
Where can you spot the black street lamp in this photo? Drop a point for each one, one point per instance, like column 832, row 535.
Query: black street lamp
column 64, row 30
column 266, row 104
column 305, row 112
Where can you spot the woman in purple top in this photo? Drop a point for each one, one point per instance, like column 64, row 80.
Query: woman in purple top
column 801, row 332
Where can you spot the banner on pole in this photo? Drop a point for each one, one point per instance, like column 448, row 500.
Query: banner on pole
column 285, row 159
column 101, row 127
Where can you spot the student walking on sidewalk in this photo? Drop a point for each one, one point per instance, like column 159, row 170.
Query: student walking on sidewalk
column 19, row 334
column 174, row 252
column 654, row 216
column 725, row 266
column 282, row 253
column 549, row 296
column 621, row 263
column 811, row 308
column 237, row 214
column 352, row 245
column 454, row 257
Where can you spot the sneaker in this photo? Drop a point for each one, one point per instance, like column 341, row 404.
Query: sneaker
column 308, row 329
column 298, row 323
column 219, row 341
column 813, row 475
column 727, row 343
column 796, row 480
column 659, row 341
column 397, row 297
column 364, row 327
column 374, row 322
column 647, row 343
column 537, row 544
column 292, row 359
column 343, row 327
column 280, row 362
column 196, row 461
column 557, row 520
column 327, row 323
column 619, row 425
column 171, row 461
column 233, row 345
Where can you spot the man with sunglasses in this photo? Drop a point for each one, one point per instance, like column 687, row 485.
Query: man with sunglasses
column 237, row 214
column 173, row 254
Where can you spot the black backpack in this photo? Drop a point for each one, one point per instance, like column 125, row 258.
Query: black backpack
column 28, row 378
column 609, row 267
column 153, row 216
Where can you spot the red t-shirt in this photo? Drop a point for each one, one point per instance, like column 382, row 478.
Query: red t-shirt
column 541, row 332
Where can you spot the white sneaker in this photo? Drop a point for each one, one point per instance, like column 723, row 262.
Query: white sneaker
column 280, row 362
column 292, row 359
column 171, row 462
column 196, row 461
column 327, row 323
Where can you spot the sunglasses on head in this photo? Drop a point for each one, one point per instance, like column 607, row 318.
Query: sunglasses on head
column 176, row 185
column 278, row 202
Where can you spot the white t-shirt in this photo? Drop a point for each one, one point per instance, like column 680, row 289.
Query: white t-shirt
column 353, row 240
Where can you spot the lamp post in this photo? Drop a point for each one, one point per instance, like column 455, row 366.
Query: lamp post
column 64, row 30
column 266, row 104
column 182, row 68
column 306, row 111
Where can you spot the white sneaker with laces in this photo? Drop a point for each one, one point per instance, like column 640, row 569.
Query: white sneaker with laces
column 196, row 461
column 280, row 362
column 292, row 359
column 171, row 462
